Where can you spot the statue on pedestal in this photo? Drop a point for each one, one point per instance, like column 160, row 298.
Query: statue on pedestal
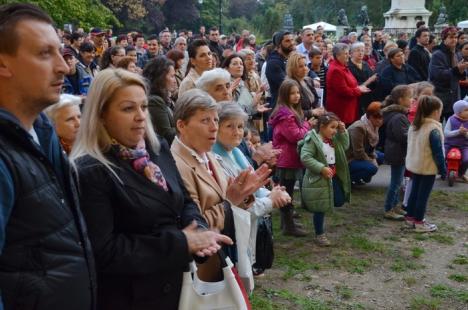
column 443, row 17
column 363, row 17
column 342, row 18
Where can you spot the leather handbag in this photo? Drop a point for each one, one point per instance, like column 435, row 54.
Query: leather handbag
column 223, row 295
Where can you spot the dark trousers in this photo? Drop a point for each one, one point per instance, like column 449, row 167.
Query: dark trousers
column 420, row 191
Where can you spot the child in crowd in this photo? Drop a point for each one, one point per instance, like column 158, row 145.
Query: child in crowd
column 424, row 159
column 456, row 134
column 255, row 139
column 326, row 182
column 396, row 125
column 420, row 89
column 289, row 127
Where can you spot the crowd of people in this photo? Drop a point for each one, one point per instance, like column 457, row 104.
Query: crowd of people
column 152, row 151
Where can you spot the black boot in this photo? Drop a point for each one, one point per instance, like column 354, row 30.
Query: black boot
column 290, row 228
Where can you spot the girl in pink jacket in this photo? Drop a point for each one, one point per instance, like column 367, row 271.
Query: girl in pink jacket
column 289, row 127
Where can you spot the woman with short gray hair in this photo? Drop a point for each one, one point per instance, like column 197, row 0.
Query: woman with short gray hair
column 363, row 74
column 343, row 90
column 66, row 115
column 216, row 83
column 232, row 120
column 196, row 118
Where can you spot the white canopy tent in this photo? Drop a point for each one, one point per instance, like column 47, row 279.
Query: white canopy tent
column 326, row 26
column 463, row 24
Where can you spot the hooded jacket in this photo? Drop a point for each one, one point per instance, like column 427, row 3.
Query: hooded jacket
column 396, row 125
column 287, row 132
column 275, row 73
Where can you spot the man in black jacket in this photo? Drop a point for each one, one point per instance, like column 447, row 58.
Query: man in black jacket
column 419, row 56
column 214, row 45
column 46, row 260
column 276, row 63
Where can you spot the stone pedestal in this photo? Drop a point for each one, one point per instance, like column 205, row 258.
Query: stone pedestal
column 341, row 31
column 438, row 28
column 404, row 14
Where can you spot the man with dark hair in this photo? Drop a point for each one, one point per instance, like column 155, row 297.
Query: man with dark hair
column 413, row 42
column 46, row 260
column 307, row 36
column 276, row 62
column 419, row 56
column 213, row 37
column 153, row 47
column 75, row 42
column 445, row 71
column 165, row 41
column 379, row 44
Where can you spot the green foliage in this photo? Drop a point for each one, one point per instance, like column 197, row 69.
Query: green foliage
column 82, row 13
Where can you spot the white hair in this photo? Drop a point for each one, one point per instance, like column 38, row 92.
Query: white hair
column 212, row 76
column 246, row 51
column 66, row 100
column 356, row 45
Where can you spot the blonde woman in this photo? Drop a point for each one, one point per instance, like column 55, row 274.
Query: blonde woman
column 296, row 69
column 142, row 223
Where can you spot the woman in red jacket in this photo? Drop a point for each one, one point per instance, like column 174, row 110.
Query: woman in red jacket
column 343, row 91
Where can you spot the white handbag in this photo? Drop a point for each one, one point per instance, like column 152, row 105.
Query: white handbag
column 223, row 295
column 244, row 257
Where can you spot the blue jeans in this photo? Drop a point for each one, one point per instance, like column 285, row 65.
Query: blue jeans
column 420, row 191
column 362, row 169
column 339, row 199
column 319, row 219
column 393, row 191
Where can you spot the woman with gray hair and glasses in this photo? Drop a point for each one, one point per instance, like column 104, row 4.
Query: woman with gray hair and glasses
column 196, row 116
column 232, row 120
column 343, row 90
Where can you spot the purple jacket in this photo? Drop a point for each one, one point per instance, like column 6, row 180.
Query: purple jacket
column 459, row 141
column 286, row 133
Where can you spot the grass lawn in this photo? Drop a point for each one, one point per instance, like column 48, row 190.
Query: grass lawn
column 374, row 263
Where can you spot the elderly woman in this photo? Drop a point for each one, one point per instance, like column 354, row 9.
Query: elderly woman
column 363, row 74
column 364, row 136
column 398, row 73
column 343, row 90
column 66, row 115
column 196, row 119
column 297, row 70
column 217, row 83
column 200, row 61
column 141, row 220
column 230, row 134
column 160, row 74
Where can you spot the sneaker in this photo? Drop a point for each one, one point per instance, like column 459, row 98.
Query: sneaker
column 322, row 240
column 423, row 226
column 258, row 272
column 399, row 210
column 359, row 182
column 392, row 215
column 409, row 221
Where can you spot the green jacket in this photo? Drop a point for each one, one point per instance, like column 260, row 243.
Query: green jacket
column 317, row 192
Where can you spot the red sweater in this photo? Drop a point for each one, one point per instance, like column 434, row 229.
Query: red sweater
column 342, row 92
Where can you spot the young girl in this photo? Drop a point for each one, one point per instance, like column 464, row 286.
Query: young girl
column 424, row 159
column 289, row 127
column 456, row 134
column 396, row 125
column 326, row 183
column 420, row 89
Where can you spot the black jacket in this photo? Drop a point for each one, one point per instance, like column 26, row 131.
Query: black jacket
column 276, row 73
column 419, row 59
column 46, row 262
column 162, row 117
column 361, row 76
column 392, row 76
column 216, row 48
column 396, row 125
column 135, row 230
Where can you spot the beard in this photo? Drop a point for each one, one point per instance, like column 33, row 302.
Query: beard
column 286, row 50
